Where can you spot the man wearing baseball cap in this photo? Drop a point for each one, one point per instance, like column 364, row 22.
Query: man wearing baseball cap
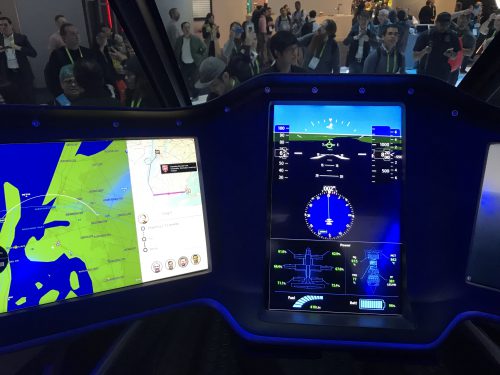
column 215, row 76
column 435, row 47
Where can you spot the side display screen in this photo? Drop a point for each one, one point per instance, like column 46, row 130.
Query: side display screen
column 78, row 218
column 484, row 258
column 335, row 236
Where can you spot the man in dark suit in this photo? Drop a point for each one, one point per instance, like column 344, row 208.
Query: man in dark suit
column 69, row 54
column 15, row 68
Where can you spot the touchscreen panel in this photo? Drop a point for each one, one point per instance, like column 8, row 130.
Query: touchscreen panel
column 335, row 237
column 484, row 259
column 78, row 218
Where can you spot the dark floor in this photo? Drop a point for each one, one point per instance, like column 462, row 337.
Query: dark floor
column 199, row 341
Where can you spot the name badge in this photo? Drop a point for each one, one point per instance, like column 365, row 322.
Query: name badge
column 313, row 64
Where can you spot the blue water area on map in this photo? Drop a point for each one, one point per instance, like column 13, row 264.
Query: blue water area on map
column 54, row 224
column 119, row 189
column 30, row 170
column 92, row 148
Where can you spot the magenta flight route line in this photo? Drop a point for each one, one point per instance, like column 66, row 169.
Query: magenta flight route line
column 175, row 192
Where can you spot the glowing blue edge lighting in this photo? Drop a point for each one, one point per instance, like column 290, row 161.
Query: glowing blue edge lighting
column 262, row 339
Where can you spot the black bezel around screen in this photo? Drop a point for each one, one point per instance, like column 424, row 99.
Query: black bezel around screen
column 159, row 274
column 290, row 276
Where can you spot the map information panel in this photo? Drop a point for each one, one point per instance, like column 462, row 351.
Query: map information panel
column 78, row 218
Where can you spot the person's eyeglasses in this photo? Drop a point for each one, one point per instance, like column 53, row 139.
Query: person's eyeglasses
column 390, row 33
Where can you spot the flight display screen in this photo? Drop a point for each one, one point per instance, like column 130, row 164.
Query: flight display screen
column 335, row 237
column 78, row 218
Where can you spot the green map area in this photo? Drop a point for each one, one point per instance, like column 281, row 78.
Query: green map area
column 87, row 242
column 93, row 193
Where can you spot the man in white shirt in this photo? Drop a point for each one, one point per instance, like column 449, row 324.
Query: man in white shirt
column 14, row 65
column 190, row 51
column 172, row 27
column 55, row 39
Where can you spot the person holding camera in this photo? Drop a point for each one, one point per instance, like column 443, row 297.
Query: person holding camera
column 246, row 63
column 233, row 45
column 435, row 47
column 360, row 40
column 322, row 55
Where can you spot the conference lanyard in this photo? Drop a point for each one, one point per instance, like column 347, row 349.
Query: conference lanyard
column 322, row 50
column 135, row 104
column 394, row 68
column 257, row 70
column 71, row 57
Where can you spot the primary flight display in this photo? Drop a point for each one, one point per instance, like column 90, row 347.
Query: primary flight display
column 335, row 237
column 78, row 218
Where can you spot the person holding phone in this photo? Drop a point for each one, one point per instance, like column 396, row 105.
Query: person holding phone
column 360, row 40
column 246, row 63
column 435, row 47
column 232, row 46
column 322, row 54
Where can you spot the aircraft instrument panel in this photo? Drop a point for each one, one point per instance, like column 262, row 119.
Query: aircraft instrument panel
column 317, row 211
column 335, row 236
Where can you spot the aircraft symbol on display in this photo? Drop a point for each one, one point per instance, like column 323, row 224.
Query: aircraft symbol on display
column 321, row 156
column 308, row 267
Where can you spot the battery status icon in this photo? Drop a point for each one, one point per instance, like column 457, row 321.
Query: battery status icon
column 371, row 304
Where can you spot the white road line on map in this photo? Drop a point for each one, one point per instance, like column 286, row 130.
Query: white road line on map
column 52, row 195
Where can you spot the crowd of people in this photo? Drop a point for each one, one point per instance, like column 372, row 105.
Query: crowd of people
column 295, row 42
column 109, row 74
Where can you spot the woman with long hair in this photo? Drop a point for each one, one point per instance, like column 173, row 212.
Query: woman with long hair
column 211, row 34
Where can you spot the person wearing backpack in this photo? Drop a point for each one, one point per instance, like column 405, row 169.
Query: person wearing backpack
column 386, row 59
column 298, row 19
column 434, row 48
column 310, row 26
column 467, row 43
column 284, row 21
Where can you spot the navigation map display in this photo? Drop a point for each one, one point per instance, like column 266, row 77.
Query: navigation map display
column 78, row 218
column 335, row 236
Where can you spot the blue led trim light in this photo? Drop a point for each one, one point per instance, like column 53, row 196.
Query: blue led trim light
column 265, row 339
